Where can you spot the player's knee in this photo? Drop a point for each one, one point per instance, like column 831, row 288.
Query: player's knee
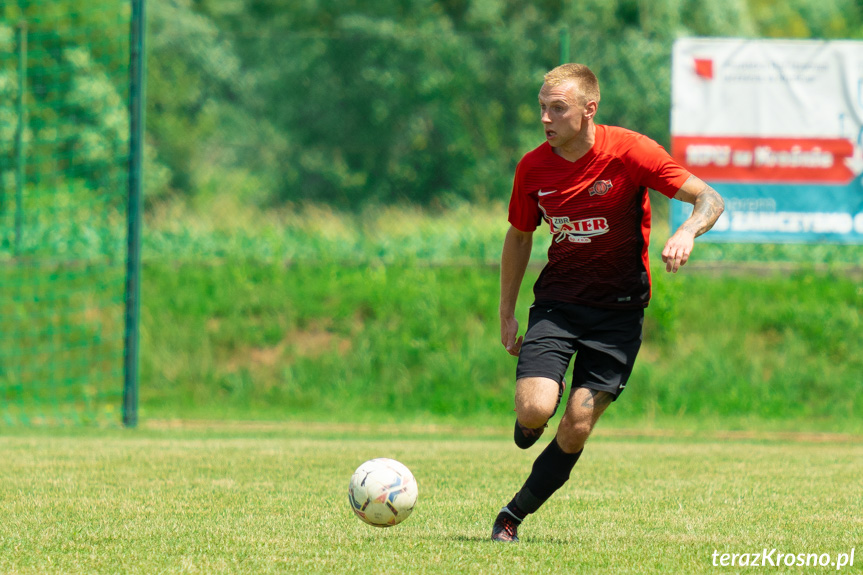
column 535, row 401
column 533, row 414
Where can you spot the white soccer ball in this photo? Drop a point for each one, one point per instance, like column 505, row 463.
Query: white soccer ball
column 382, row 492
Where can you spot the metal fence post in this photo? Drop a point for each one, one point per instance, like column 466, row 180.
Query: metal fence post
column 134, row 216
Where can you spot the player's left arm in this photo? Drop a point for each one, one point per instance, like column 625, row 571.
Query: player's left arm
column 708, row 206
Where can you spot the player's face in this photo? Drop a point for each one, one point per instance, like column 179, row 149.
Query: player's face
column 563, row 115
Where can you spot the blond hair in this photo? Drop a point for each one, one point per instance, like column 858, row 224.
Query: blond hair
column 587, row 83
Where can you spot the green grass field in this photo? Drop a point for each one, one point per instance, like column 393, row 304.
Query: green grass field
column 272, row 498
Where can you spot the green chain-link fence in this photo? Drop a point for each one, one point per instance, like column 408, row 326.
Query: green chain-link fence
column 64, row 181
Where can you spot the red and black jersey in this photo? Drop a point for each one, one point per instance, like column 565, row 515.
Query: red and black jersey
column 598, row 210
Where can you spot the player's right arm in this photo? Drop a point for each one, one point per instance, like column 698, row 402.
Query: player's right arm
column 513, row 263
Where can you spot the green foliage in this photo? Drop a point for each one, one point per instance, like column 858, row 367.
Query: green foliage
column 254, row 105
column 353, row 102
column 347, row 102
column 403, row 341
column 807, row 19
column 193, row 72
column 75, row 101
column 763, row 348
column 419, row 100
column 463, row 233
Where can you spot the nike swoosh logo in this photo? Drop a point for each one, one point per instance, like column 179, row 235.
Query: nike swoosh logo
column 541, row 193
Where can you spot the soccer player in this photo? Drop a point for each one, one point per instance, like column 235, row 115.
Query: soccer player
column 589, row 183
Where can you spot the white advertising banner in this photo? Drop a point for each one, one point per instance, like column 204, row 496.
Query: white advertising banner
column 776, row 126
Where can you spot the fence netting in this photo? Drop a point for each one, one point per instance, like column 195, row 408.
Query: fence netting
column 64, row 137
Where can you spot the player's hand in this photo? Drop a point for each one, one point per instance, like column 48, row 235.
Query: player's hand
column 508, row 331
column 677, row 250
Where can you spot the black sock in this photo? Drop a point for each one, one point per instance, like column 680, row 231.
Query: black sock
column 550, row 471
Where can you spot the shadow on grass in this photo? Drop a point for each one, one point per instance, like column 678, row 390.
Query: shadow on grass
column 486, row 538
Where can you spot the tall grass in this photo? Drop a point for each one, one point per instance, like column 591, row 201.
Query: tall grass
column 457, row 233
column 71, row 224
column 221, row 226
column 307, row 312
column 61, row 342
column 407, row 342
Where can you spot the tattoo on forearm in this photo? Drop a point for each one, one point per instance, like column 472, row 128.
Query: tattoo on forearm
column 708, row 207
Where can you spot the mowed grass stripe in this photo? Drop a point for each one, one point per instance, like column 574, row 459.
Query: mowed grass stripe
column 181, row 502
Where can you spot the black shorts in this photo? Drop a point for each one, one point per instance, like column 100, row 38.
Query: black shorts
column 604, row 342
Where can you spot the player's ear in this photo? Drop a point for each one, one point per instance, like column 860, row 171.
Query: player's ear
column 590, row 109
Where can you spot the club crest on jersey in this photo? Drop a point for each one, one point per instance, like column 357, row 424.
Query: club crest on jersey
column 579, row 231
column 599, row 187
